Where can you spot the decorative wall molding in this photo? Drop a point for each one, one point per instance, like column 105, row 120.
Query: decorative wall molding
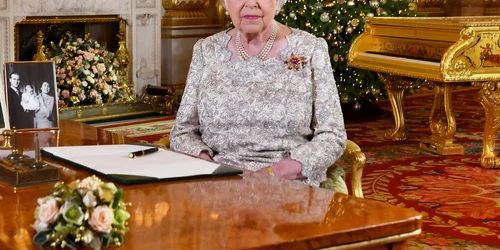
column 145, row 72
column 49, row 7
column 3, row 4
column 4, row 42
column 148, row 51
column 143, row 19
column 32, row 6
column 141, row 4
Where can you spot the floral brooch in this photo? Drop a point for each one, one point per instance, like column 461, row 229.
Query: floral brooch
column 295, row 62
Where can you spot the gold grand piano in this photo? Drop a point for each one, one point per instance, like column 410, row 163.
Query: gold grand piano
column 445, row 52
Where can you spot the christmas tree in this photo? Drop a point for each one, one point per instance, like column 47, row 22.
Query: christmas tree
column 340, row 22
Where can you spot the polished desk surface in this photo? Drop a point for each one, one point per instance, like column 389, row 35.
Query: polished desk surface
column 248, row 211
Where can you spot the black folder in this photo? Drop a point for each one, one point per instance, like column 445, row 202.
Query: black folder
column 137, row 179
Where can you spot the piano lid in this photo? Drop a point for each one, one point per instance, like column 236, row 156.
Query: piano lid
column 446, row 49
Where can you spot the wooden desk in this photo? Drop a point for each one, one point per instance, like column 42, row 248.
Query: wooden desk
column 249, row 211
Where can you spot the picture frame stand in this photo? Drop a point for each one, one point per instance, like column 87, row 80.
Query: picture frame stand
column 7, row 140
column 19, row 170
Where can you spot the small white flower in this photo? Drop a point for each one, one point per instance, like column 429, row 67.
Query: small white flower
column 87, row 236
column 89, row 199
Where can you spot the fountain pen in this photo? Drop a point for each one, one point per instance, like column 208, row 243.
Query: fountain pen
column 143, row 152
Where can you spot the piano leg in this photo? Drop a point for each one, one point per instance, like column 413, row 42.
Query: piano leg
column 490, row 99
column 442, row 127
column 395, row 86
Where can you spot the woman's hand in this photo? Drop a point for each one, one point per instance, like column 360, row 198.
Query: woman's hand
column 287, row 168
column 205, row 156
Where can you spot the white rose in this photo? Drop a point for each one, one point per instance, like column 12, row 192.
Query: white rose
column 86, row 72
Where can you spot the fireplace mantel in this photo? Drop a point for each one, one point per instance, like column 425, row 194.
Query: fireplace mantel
column 143, row 29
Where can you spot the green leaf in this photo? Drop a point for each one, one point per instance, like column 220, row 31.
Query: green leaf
column 105, row 240
column 118, row 197
column 47, row 243
column 41, row 237
column 71, row 244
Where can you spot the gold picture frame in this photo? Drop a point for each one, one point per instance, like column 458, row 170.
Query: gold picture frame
column 31, row 95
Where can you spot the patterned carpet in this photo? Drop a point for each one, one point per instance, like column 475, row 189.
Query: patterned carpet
column 460, row 200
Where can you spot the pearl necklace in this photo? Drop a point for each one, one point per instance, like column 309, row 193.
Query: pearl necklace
column 263, row 53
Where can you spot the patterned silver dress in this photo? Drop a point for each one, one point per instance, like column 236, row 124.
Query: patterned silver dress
column 253, row 113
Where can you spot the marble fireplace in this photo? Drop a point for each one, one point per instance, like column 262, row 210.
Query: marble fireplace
column 143, row 29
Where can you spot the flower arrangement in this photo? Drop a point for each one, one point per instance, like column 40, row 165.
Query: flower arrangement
column 87, row 212
column 86, row 73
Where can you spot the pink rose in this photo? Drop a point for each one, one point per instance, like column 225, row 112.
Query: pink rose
column 101, row 67
column 47, row 213
column 101, row 219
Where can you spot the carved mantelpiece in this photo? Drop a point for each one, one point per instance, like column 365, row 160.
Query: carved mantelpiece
column 143, row 28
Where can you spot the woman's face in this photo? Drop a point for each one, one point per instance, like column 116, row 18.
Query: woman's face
column 45, row 87
column 252, row 16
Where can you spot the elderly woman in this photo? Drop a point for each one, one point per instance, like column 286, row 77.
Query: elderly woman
column 262, row 96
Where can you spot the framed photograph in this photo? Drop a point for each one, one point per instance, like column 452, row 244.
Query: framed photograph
column 4, row 119
column 31, row 96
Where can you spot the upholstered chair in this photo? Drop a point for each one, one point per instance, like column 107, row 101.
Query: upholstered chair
column 353, row 157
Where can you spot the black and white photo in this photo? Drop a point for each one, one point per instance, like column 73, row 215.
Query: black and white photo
column 31, row 95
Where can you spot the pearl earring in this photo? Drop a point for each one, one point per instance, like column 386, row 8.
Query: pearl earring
column 277, row 12
column 227, row 13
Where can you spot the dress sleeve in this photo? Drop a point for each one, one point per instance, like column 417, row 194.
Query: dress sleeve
column 329, row 140
column 46, row 107
column 185, row 136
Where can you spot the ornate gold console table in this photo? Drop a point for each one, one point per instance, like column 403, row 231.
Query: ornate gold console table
column 444, row 52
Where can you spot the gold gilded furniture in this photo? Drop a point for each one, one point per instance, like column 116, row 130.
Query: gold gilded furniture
column 251, row 211
column 356, row 159
column 161, row 99
column 444, row 52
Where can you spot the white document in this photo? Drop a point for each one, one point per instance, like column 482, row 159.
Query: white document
column 114, row 159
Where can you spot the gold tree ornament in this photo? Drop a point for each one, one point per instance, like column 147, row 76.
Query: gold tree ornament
column 355, row 22
column 412, row 6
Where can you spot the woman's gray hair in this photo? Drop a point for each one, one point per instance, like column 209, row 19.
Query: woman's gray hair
column 280, row 3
